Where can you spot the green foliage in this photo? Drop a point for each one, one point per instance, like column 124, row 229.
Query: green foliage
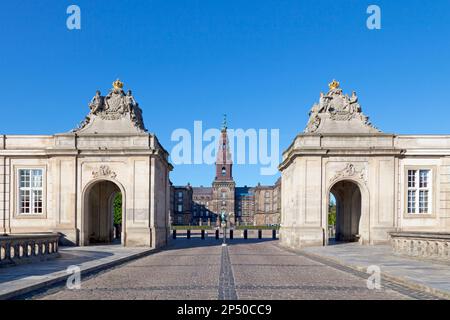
column 118, row 209
column 332, row 214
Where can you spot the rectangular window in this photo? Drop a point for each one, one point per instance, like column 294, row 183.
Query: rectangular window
column 30, row 191
column 419, row 191
column 411, row 201
column 180, row 208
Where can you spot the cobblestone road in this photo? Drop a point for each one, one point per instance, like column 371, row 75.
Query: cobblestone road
column 202, row 269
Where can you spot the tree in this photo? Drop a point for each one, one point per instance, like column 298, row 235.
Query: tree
column 118, row 208
column 332, row 213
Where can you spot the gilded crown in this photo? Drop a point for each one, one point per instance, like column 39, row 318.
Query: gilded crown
column 118, row 85
column 334, row 84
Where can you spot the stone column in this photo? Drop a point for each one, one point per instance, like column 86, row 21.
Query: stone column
column 4, row 194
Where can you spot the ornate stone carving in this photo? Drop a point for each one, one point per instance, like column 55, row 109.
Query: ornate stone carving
column 350, row 172
column 114, row 106
column 104, row 171
column 337, row 107
column 421, row 244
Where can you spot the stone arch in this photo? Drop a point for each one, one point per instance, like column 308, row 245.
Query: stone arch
column 356, row 198
column 97, row 211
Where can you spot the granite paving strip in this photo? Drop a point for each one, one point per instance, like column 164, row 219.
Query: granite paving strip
column 397, row 287
column 417, row 274
column 286, row 275
column 227, row 290
column 16, row 281
column 203, row 269
column 157, row 276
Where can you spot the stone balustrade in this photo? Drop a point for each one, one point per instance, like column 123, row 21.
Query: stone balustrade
column 431, row 245
column 24, row 248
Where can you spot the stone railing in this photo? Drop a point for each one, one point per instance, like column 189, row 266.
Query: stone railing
column 24, row 248
column 429, row 245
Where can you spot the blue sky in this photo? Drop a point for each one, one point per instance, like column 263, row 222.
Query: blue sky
column 262, row 62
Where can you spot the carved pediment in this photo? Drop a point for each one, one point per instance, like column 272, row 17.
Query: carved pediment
column 104, row 172
column 117, row 111
column 350, row 171
column 338, row 113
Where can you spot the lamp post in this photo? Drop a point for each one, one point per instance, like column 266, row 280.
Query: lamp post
column 223, row 223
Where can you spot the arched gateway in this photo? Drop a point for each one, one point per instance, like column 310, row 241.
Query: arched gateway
column 382, row 182
column 98, row 213
column 77, row 174
column 119, row 156
column 348, row 211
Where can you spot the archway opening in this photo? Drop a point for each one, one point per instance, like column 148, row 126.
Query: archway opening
column 103, row 213
column 344, row 212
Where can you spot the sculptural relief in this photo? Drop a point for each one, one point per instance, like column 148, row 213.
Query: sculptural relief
column 103, row 171
column 350, row 171
column 336, row 106
column 114, row 106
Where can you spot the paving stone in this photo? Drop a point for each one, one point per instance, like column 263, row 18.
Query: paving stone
column 203, row 269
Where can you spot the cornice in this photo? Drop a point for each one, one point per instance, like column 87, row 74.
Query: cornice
column 349, row 152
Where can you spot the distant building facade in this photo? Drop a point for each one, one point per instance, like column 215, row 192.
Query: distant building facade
column 260, row 205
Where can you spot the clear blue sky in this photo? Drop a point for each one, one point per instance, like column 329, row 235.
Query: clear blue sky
column 262, row 62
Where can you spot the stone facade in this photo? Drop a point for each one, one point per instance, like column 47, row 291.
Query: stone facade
column 422, row 244
column 267, row 204
column 382, row 182
column 66, row 182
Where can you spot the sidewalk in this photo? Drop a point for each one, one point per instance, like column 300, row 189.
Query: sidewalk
column 22, row 279
column 430, row 276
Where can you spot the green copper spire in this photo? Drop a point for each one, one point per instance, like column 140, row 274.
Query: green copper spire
column 224, row 123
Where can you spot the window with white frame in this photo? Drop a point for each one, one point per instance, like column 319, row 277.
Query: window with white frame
column 419, row 191
column 30, row 191
column 180, row 208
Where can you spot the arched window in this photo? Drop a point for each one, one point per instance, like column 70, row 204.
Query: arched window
column 224, row 171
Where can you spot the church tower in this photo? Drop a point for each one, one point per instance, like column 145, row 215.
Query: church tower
column 224, row 162
column 223, row 184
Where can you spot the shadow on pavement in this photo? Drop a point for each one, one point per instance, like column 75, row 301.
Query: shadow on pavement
column 42, row 268
column 183, row 243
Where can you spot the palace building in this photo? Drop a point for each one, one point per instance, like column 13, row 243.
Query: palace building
column 383, row 183
column 260, row 205
column 67, row 182
column 386, row 186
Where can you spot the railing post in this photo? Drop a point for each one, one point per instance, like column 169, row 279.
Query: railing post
column 259, row 234
column 231, row 234
column 274, row 234
column 203, row 234
column 174, row 234
column 217, row 234
column 7, row 251
column 245, row 234
column 189, row 233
